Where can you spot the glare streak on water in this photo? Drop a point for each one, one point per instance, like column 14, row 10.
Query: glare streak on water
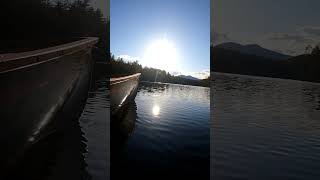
column 94, row 123
column 264, row 128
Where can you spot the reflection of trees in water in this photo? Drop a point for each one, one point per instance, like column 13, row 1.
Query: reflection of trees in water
column 94, row 126
column 122, row 128
column 313, row 93
column 59, row 156
column 175, row 90
column 147, row 87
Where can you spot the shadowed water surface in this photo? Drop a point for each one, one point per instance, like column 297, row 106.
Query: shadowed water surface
column 165, row 134
column 264, row 128
column 95, row 123
column 80, row 148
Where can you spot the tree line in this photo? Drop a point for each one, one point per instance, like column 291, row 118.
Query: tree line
column 120, row 67
column 47, row 22
column 303, row 67
column 313, row 50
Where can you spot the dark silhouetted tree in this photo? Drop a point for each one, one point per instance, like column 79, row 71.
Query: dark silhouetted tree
column 42, row 22
column 316, row 51
column 308, row 49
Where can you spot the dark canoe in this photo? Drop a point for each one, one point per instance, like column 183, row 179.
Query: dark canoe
column 123, row 90
column 35, row 85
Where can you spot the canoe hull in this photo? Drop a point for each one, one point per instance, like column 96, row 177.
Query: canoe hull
column 34, row 92
column 123, row 91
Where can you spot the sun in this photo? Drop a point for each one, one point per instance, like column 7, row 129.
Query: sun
column 162, row 54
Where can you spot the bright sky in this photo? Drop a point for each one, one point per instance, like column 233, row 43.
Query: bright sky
column 173, row 35
column 286, row 26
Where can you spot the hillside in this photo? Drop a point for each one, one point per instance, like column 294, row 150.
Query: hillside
column 303, row 67
column 229, row 61
column 253, row 49
column 189, row 77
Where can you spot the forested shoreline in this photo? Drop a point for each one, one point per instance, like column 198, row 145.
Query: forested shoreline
column 121, row 67
column 43, row 23
column 303, row 67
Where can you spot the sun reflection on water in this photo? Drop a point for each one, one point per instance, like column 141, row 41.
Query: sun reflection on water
column 155, row 110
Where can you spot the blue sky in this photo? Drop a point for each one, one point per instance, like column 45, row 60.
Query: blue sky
column 286, row 26
column 136, row 24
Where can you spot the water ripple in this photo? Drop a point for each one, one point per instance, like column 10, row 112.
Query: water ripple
column 94, row 123
column 171, row 133
column 264, row 128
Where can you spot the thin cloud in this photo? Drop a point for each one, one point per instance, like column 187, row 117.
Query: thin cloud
column 310, row 30
column 175, row 73
column 295, row 43
column 298, row 38
column 128, row 58
column 218, row 38
column 201, row 75
column 304, row 34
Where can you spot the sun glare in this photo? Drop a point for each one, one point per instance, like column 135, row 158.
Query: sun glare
column 162, row 54
column 155, row 110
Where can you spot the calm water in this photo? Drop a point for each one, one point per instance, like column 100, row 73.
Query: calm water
column 95, row 124
column 264, row 128
column 165, row 134
column 78, row 151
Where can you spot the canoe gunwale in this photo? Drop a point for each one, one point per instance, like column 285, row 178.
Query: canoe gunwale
column 13, row 61
column 123, row 79
column 123, row 90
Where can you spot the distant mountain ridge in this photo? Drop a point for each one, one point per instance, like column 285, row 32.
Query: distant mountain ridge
column 253, row 49
column 226, row 59
column 189, row 77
